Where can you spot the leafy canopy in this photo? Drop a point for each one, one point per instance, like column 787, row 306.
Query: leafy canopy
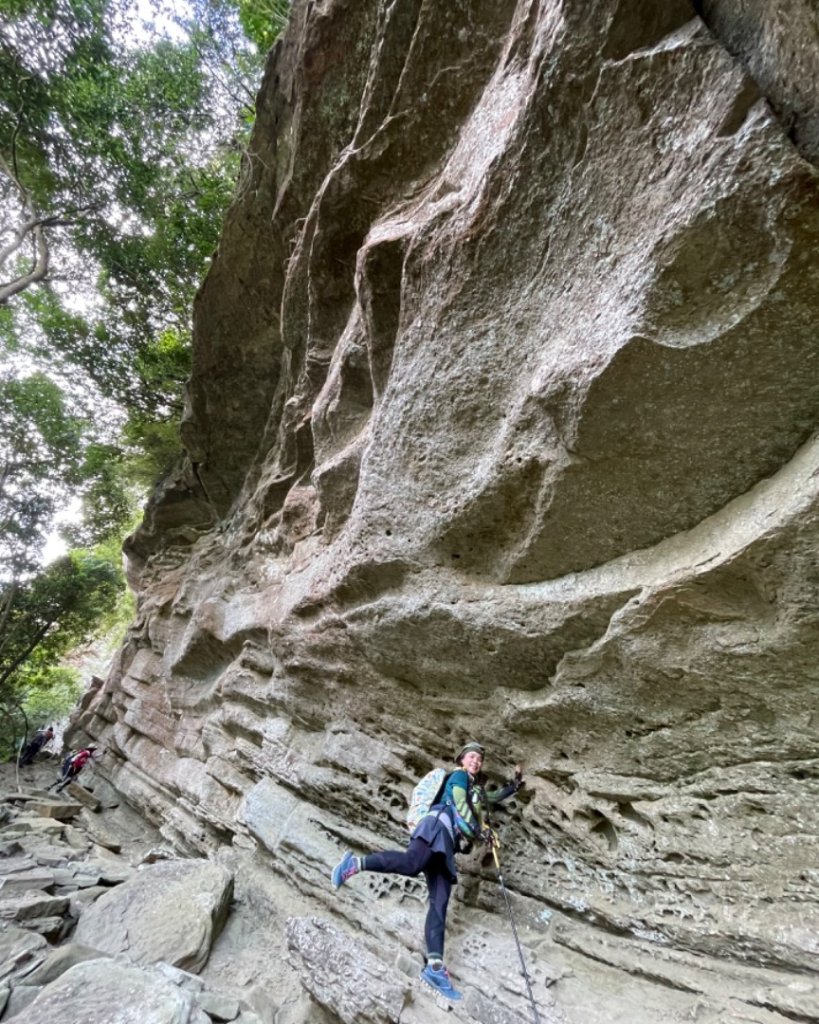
column 119, row 144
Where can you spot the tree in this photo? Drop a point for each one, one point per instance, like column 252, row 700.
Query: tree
column 55, row 610
column 51, row 696
column 48, row 615
column 117, row 161
column 112, row 181
column 263, row 20
column 119, row 144
column 40, row 462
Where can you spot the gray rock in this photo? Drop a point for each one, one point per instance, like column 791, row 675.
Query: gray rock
column 32, row 904
column 20, row 951
column 168, row 911
column 13, row 865
column 99, row 834
column 78, row 901
column 86, row 881
column 152, row 856
column 20, row 882
column 76, row 839
column 82, row 796
column 502, row 424
column 62, row 810
column 109, row 873
column 109, row 992
column 27, row 825
column 217, row 1006
column 52, row 927
column 63, row 876
column 180, row 977
column 19, row 998
column 59, row 961
column 54, row 858
column 343, row 975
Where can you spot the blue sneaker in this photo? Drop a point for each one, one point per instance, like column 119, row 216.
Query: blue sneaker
column 439, row 980
column 346, row 868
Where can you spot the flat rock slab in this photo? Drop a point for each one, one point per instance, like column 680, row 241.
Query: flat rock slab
column 107, row 873
column 342, row 974
column 30, row 905
column 13, row 865
column 83, row 898
column 100, row 835
column 82, row 796
column 52, row 928
column 20, row 951
column 19, row 998
column 105, row 991
column 13, row 885
column 62, row 810
column 33, row 825
column 219, row 1007
column 55, row 857
column 169, row 911
column 61, row 960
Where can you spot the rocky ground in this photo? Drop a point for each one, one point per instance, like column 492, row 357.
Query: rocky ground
column 102, row 921
column 99, row 921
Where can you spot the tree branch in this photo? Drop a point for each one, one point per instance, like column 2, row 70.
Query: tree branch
column 38, row 270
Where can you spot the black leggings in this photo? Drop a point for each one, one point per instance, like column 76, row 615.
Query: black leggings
column 419, row 857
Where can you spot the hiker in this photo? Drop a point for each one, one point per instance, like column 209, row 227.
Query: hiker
column 35, row 745
column 458, row 817
column 73, row 765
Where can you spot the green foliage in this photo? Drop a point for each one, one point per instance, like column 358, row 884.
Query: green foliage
column 123, row 154
column 47, row 615
column 106, row 500
column 52, row 695
column 40, row 462
column 263, row 20
column 119, row 146
column 44, row 617
column 50, row 460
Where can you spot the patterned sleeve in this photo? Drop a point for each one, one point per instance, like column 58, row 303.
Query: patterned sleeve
column 466, row 821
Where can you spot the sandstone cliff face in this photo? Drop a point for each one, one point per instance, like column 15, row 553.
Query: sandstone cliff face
column 502, row 424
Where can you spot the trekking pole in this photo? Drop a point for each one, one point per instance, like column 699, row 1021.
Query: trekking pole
column 494, row 844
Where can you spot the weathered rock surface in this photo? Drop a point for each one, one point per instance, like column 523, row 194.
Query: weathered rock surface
column 503, row 423
column 343, row 975
column 170, row 911
column 108, row 992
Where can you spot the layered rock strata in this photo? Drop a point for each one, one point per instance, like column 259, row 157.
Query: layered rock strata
column 503, row 424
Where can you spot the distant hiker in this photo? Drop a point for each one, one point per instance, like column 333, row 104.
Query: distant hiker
column 35, row 745
column 73, row 764
column 457, row 816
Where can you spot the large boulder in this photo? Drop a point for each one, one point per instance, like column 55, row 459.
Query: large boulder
column 108, row 992
column 170, row 911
